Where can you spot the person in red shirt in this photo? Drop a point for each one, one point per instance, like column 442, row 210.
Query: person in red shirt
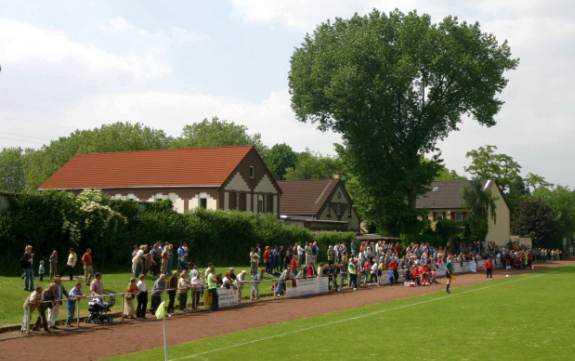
column 267, row 254
column 293, row 264
column 88, row 266
column 488, row 268
column 393, row 265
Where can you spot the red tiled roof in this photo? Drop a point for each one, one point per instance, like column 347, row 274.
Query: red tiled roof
column 151, row 168
column 305, row 197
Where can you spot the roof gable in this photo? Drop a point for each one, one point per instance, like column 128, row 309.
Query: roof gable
column 306, row 197
column 185, row 167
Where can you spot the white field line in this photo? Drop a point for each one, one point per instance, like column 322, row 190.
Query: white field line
column 347, row 319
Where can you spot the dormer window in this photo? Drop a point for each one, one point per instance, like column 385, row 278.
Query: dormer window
column 252, row 172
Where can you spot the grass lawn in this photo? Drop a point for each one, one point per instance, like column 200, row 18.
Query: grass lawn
column 525, row 317
column 12, row 294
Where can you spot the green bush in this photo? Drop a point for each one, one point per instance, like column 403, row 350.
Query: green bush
column 59, row 220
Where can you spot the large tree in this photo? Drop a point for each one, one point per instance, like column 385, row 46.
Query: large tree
column 481, row 204
column 393, row 85
column 535, row 218
column 279, row 158
column 314, row 166
column 216, row 133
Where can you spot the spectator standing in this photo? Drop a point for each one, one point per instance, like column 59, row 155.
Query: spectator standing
column 53, row 264
column 254, row 261
column 59, row 293
column 142, row 297
column 71, row 263
column 138, row 261
column 197, row 287
column 129, row 296
column 172, row 288
column 157, row 290
column 183, row 286
column 41, row 271
column 212, row 288
column 26, row 262
column 352, row 270
column 30, row 304
column 88, row 266
column 182, row 257
column 48, row 297
column 96, row 286
column 73, row 296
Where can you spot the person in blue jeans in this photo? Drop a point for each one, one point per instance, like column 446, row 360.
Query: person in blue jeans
column 27, row 268
column 74, row 295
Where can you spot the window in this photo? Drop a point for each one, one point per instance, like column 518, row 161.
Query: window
column 233, row 200
column 349, row 212
column 260, row 203
column 270, row 203
column 243, row 202
column 328, row 215
column 252, row 172
column 438, row 215
column 203, row 203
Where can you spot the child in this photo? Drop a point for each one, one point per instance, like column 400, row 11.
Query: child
column 41, row 271
column 74, row 295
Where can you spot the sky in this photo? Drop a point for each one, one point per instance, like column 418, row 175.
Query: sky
column 70, row 65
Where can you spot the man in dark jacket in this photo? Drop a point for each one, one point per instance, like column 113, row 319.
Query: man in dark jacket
column 48, row 298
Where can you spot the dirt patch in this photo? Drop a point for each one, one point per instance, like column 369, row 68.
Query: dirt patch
column 97, row 342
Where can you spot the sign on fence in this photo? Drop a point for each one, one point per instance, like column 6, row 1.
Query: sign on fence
column 308, row 287
column 228, row 297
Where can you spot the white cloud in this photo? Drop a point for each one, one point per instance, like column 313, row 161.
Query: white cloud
column 25, row 46
column 173, row 35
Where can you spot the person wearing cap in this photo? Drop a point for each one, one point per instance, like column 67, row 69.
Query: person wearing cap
column 197, row 285
column 212, row 288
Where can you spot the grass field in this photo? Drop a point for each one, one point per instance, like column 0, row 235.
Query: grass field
column 12, row 294
column 525, row 317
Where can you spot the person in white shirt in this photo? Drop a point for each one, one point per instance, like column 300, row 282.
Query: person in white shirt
column 142, row 297
column 183, row 286
column 197, row 287
column 71, row 263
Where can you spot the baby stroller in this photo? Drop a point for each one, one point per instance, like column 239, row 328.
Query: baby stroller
column 99, row 310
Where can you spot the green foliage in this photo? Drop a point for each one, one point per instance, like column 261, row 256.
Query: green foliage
column 216, row 133
column 279, row 158
column 481, row 204
column 535, row 218
column 12, row 170
column 562, row 202
column 314, row 166
column 59, row 220
column 393, row 85
column 445, row 174
column 487, row 164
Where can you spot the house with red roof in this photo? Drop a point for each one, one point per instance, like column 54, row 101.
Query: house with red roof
column 318, row 205
column 226, row 178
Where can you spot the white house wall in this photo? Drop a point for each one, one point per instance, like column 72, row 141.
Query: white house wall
column 265, row 186
column 237, row 183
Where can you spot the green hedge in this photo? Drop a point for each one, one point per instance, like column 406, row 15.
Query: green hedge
column 59, row 220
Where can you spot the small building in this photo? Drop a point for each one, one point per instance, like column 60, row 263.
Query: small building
column 226, row 178
column 318, row 205
column 445, row 201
